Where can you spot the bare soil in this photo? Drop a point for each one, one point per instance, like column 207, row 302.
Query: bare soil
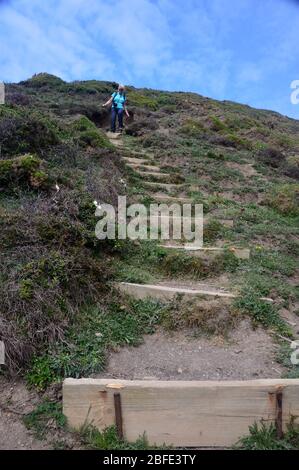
column 246, row 354
column 15, row 402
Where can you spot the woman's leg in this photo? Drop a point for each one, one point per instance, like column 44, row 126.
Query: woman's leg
column 120, row 113
column 113, row 119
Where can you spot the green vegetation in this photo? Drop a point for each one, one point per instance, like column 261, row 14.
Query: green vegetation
column 58, row 316
column 93, row 439
column 284, row 358
column 87, row 134
column 48, row 414
column 192, row 128
column 24, row 171
column 261, row 312
column 91, row 336
column 285, row 199
column 264, row 437
column 138, row 99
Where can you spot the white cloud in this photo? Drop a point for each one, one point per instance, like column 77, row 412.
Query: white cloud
column 196, row 45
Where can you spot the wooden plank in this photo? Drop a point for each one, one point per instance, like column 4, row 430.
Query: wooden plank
column 144, row 168
column 2, row 353
column 163, row 292
column 142, row 291
column 241, row 253
column 153, row 174
column 167, row 186
column 180, row 413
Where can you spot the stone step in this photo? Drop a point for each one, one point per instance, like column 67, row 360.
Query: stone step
column 241, row 253
column 164, row 292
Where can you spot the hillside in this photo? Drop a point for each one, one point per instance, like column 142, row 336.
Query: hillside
column 61, row 314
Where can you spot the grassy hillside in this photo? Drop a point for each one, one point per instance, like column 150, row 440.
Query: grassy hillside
column 59, row 314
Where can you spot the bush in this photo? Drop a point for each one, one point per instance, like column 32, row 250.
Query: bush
column 22, row 132
column 217, row 125
column 192, row 128
column 22, row 172
column 270, row 156
column 83, row 124
column 285, row 199
column 93, row 138
column 143, row 101
column 41, row 80
column 212, row 230
column 141, row 126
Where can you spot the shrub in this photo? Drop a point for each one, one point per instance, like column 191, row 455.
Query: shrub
column 83, row 124
column 93, row 138
column 21, row 132
column 239, row 142
column 285, row 199
column 217, row 125
column 22, row 172
column 141, row 126
column 192, row 128
column 41, row 80
column 270, row 156
column 137, row 99
column 212, row 230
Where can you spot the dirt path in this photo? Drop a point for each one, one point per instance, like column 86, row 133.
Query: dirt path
column 247, row 354
column 15, row 402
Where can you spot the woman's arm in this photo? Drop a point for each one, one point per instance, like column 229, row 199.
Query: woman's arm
column 108, row 102
column 126, row 111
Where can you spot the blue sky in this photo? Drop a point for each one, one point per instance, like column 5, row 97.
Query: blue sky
column 241, row 50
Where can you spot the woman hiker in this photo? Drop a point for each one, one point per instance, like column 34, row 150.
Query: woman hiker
column 118, row 100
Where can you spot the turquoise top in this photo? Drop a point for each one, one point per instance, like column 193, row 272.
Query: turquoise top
column 119, row 100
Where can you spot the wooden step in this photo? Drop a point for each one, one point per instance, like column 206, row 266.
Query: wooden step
column 206, row 220
column 114, row 135
column 171, row 199
column 153, row 174
column 163, row 292
column 181, row 414
column 241, row 253
column 167, row 186
column 137, row 161
column 225, row 222
column 137, row 153
column 144, row 167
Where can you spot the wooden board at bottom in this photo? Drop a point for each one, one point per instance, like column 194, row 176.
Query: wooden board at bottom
column 179, row 413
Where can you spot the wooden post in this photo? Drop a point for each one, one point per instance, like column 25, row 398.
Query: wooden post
column 118, row 416
column 278, row 419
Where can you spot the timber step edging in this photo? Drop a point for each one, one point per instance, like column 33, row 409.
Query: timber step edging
column 241, row 253
column 181, row 413
column 157, row 291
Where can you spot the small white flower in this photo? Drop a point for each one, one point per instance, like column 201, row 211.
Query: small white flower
column 57, row 187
